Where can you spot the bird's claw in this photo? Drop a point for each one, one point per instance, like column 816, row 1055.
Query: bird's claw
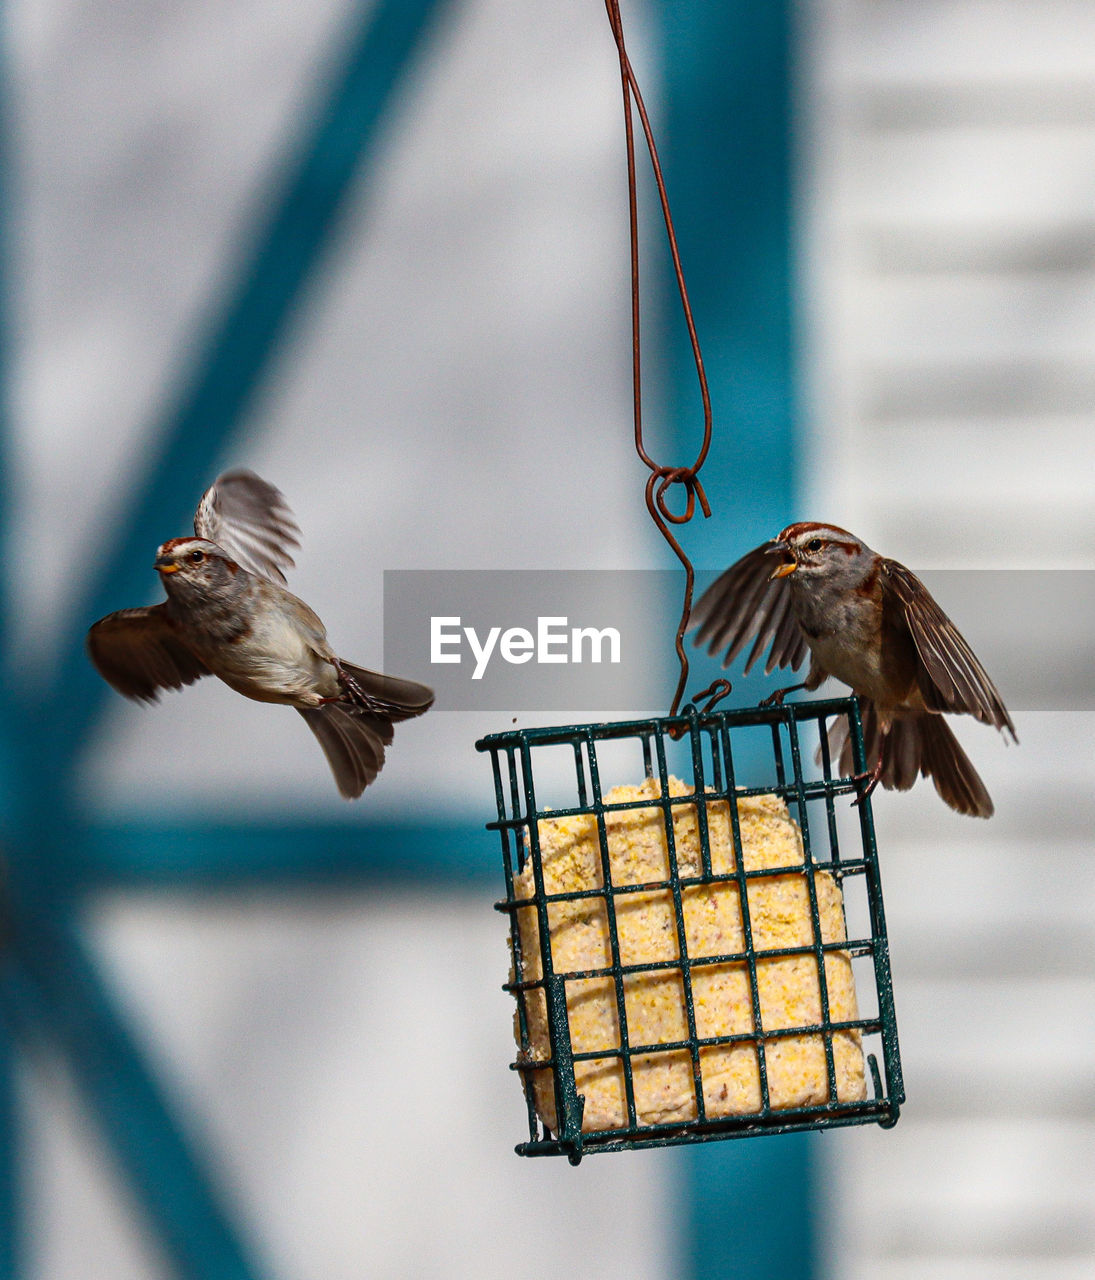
column 871, row 778
column 776, row 699
column 356, row 695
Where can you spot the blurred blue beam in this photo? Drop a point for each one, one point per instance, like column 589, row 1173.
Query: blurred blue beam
column 198, row 429
column 216, row 853
column 747, row 1207
column 750, row 1209
column 727, row 155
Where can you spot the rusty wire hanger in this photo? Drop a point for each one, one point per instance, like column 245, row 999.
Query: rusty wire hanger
column 661, row 478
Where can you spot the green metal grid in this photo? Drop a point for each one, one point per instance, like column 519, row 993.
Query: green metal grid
column 713, row 753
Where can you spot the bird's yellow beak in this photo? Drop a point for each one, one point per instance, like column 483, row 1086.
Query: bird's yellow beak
column 784, row 570
column 165, row 566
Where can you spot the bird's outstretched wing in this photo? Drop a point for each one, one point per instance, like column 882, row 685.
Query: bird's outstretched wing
column 250, row 520
column 949, row 676
column 745, row 604
column 136, row 651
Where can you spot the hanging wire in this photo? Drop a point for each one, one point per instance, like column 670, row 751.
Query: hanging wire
column 662, row 478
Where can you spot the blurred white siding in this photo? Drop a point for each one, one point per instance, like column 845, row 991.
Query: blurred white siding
column 949, row 263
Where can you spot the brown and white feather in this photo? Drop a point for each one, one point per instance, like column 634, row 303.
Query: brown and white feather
column 949, row 675
column 745, row 604
column 137, row 652
column 248, row 518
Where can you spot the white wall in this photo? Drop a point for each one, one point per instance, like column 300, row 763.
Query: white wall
column 949, row 265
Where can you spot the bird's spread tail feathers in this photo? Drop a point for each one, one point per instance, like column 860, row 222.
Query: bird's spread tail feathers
column 353, row 742
column 354, row 731
column 923, row 745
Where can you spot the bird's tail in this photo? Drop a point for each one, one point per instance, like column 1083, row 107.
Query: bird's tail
column 353, row 742
column 922, row 745
column 354, row 731
column 948, row 766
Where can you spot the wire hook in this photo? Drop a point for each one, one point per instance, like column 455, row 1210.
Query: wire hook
column 662, row 478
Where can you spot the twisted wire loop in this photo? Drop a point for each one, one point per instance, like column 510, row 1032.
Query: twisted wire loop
column 662, row 478
column 714, row 693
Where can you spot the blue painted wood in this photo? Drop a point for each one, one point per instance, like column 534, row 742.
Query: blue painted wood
column 61, row 998
column 166, row 1169
column 747, row 1208
column 215, row 853
column 727, row 157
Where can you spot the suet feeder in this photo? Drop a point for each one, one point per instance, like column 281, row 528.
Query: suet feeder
column 685, row 968
column 697, row 935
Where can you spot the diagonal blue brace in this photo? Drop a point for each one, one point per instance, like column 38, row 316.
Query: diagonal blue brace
column 199, row 428
column 66, row 1000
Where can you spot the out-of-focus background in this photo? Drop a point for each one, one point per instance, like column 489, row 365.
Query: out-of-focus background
column 377, row 252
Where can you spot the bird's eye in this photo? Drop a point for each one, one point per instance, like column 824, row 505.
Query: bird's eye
column 814, row 544
column 196, row 557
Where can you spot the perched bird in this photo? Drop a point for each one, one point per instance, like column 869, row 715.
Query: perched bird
column 817, row 591
column 227, row 614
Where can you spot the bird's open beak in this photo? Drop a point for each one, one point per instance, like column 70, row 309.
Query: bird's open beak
column 789, row 565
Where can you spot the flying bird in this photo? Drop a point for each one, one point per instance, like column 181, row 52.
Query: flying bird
column 819, row 592
column 228, row 614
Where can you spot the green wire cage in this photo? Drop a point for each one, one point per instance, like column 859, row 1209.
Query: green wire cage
column 553, row 788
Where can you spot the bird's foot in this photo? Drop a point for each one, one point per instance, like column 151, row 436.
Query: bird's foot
column 355, row 694
column 776, row 699
column 872, row 778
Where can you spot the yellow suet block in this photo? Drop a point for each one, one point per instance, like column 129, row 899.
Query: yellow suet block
column 779, row 914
